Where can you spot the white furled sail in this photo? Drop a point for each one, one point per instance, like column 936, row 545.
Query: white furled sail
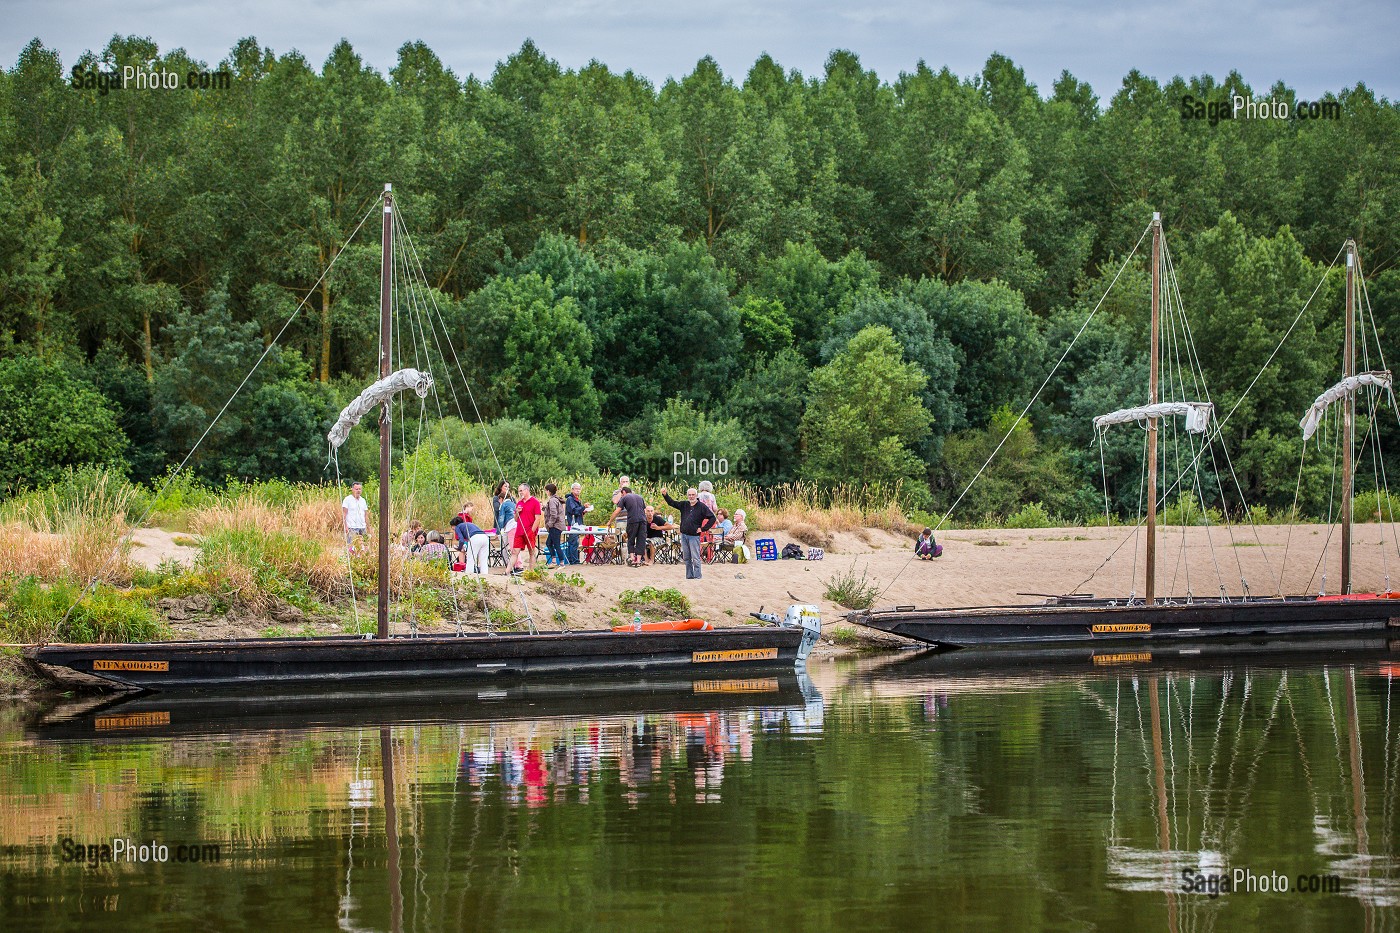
column 379, row 392
column 1341, row 390
column 1197, row 415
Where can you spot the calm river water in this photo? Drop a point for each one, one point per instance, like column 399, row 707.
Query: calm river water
column 895, row 793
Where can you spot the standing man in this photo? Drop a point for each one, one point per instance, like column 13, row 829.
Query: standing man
column 355, row 511
column 635, row 508
column 574, row 507
column 696, row 519
column 527, row 525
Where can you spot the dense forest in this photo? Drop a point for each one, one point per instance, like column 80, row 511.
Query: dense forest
column 835, row 278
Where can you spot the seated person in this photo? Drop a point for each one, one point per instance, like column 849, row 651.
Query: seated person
column 925, row 545
column 434, row 547
column 420, row 541
column 657, row 526
column 724, row 526
column 406, row 539
column 739, row 530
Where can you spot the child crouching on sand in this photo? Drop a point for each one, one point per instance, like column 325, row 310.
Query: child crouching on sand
column 926, row 548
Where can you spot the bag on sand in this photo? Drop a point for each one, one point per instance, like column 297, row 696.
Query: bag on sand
column 742, row 555
column 815, row 553
column 792, row 551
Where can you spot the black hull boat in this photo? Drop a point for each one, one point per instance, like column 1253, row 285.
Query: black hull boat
column 130, row 716
column 999, row 664
column 1155, row 619
column 1069, row 621
column 263, row 664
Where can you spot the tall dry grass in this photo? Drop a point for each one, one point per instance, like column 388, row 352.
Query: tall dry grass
column 74, row 530
column 814, row 510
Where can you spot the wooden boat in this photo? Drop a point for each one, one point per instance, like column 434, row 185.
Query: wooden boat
column 1149, row 619
column 123, row 717
column 267, row 663
column 260, row 663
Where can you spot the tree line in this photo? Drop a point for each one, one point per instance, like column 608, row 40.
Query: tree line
column 836, row 278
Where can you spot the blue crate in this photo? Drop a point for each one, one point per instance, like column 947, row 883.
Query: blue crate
column 766, row 549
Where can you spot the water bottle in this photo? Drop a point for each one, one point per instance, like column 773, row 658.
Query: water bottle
column 637, row 621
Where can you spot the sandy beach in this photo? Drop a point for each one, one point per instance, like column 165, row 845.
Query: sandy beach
column 978, row 567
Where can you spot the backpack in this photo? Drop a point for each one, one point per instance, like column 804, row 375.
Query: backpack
column 792, row 551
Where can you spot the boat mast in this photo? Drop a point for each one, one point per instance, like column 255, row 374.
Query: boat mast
column 1151, row 594
column 385, row 429
column 1348, row 416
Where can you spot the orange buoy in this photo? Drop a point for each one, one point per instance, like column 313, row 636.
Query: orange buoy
column 679, row 625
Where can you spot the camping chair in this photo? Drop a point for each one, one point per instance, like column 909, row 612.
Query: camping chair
column 496, row 552
column 668, row 548
column 606, row 550
column 724, row 552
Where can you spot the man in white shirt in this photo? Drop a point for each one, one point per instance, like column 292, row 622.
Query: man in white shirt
column 355, row 508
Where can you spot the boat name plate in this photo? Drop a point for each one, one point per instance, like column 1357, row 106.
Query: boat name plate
column 1124, row 657
column 102, row 665
column 759, row 685
column 740, row 654
column 1119, row 628
column 131, row 720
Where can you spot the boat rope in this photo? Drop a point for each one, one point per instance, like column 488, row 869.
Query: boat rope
column 170, row 478
column 422, row 326
column 421, row 312
column 1292, row 516
column 466, row 384
column 943, row 519
column 1198, row 376
column 1331, row 502
column 1220, row 423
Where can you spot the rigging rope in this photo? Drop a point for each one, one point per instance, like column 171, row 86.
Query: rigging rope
column 943, row 519
column 126, row 538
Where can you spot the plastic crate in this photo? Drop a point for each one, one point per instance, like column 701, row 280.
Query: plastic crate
column 766, row 548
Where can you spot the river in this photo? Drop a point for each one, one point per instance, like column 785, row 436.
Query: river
column 900, row 792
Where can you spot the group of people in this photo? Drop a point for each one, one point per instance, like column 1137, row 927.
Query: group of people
column 519, row 519
column 699, row 514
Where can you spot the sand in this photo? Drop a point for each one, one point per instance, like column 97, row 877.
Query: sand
column 991, row 567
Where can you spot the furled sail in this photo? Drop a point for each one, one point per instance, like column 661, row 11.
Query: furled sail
column 1197, row 415
column 379, row 392
column 1341, row 390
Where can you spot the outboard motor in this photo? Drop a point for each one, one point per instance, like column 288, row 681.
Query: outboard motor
column 809, row 619
column 806, row 617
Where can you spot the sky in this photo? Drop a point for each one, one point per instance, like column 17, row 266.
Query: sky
column 1311, row 47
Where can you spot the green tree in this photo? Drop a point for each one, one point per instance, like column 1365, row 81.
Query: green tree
column 863, row 416
column 769, row 401
column 534, row 354
column 682, row 428
column 51, row 421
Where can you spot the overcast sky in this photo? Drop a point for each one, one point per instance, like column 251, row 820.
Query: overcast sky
column 1312, row 47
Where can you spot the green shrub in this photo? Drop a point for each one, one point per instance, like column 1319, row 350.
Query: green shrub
column 1030, row 515
column 32, row 611
column 847, row 589
column 1373, row 506
column 1187, row 511
column 655, row 603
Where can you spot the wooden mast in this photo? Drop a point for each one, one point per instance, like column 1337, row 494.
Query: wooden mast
column 1348, row 416
column 385, row 429
column 1151, row 588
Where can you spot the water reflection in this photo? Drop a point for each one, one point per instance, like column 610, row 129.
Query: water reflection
column 1071, row 792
